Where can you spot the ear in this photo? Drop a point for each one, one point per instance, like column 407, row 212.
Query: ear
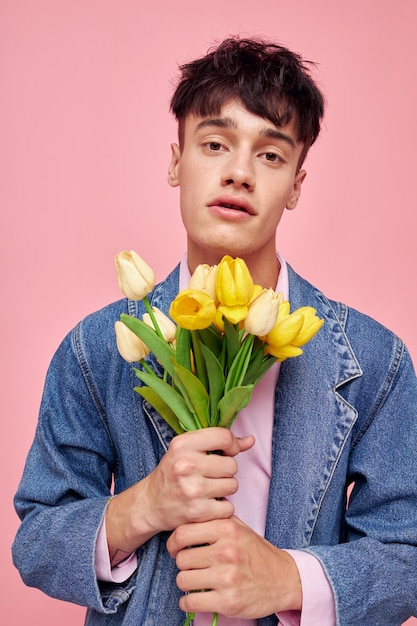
column 173, row 178
column 296, row 191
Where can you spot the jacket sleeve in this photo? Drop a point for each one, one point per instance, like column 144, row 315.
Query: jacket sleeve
column 64, row 490
column 374, row 571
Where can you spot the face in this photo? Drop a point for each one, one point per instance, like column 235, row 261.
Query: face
column 237, row 173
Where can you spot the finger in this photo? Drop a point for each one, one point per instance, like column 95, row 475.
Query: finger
column 245, row 443
column 197, row 580
column 221, row 488
column 205, row 440
column 200, row 601
column 195, row 557
column 211, row 440
column 219, row 466
column 195, row 534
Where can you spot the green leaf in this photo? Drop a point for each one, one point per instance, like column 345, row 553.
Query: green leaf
column 161, row 406
column 183, row 347
column 199, row 362
column 193, row 392
column 233, row 402
column 255, row 364
column 211, row 338
column 171, row 397
column 161, row 349
column 240, row 364
column 267, row 363
column 232, row 341
column 216, row 382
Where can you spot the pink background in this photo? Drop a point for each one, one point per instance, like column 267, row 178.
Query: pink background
column 85, row 135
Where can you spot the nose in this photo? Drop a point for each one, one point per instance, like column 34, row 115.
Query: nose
column 239, row 171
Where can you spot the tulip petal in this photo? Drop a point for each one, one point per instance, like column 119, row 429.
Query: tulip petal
column 136, row 279
column 263, row 313
column 234, row 314
column 165, row 324
column 204, row 279
column 193, row 310
column 284, row 352
column 234, row 284
column 131, row 348
column 285, row 330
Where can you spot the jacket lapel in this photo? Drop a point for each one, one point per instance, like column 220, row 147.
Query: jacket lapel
column 312, row 423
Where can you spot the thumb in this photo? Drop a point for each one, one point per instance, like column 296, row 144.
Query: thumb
column 245, row 443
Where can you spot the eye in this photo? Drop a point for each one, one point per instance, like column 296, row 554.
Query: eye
column 214, row 145
column 271, row 157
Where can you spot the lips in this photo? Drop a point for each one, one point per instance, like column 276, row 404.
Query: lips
column 235, row 204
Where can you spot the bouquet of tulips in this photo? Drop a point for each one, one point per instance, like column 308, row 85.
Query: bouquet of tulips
column 228, row 332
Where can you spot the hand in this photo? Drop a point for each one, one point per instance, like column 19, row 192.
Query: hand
column 188, row 485
column 243, row 574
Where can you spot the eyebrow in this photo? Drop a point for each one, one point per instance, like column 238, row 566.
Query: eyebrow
column 228, row 122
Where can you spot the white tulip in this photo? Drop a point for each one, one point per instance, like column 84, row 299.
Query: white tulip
column 136, row 279
column 130, row 347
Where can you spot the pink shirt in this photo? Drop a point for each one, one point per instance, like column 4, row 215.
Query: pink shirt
column 250, row 502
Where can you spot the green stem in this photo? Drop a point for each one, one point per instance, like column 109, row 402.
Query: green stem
column 156, row 326
column 245, row 358
column 190, row 617
column 147, row 368
column 198, row 424
column 240, row 364
column 153, row 318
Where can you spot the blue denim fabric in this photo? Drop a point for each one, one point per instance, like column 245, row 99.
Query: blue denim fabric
column 345, row 412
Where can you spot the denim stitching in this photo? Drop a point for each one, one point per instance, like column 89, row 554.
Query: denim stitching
column 388, row 384
column 89, row 380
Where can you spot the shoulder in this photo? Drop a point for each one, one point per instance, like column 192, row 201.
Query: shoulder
column 352, row 322
column 373, row 344
column 100, row 324
column 93, row 338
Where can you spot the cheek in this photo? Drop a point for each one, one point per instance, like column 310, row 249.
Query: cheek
column 187, row 206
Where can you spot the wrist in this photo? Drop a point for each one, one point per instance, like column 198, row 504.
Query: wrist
column 290, row 593
column 127, row 525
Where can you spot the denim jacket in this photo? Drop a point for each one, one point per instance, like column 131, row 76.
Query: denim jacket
column 345, row 413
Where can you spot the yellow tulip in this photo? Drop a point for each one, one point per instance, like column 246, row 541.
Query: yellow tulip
column 166, row 326
column 204, row 279
column 284, row 309
column 234, row 284
column 136, row 279
column 292, row 331
column 257, row 290
column 234, row 289
column 130, row 347
column 311, row 325
column 234, row 314
column 193, row 309
column 263, row 312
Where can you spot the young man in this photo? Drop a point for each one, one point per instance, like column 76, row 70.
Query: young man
column 285, row 545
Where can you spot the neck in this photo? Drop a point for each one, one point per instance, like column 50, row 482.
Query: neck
column 264, row 271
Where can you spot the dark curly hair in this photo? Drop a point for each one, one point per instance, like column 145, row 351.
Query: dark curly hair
column 270, row 80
